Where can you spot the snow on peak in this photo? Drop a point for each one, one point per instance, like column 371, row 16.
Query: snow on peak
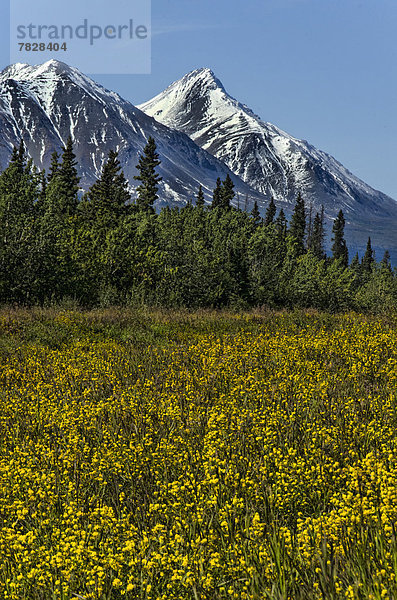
column 267, row 158
column 14, row 71
column 205, row 76
column 23, row 71
column 195, row 102
column 205, row 71
column 43, row 79
column 199, row 90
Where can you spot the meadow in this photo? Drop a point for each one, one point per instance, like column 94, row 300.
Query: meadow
column 160, row 455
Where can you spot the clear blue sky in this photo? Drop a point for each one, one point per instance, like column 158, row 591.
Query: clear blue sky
column 322, row 70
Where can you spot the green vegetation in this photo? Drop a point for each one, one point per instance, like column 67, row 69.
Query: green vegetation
column 175, row 455
column 104, row 250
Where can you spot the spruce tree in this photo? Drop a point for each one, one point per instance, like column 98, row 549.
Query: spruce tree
column 217, row 194
column 18, row 187
column 317, row 236
column 108, row 196
column 368, row 258
column 281, row 225
column 270, row 212
column 298, row 225
column 227, row 193
column 356, row 272
column 339, row 247
column 355, row 263
column 148, row 188
column 58, row 227
column 19, row 190
column 63, row 184
column 41, row 200
column 21, row 154
column 256, row 215
column 385, row 262
column 18, row 158
column 310, row 228
column 14, row 156
column 54, row 167
column 200, row 201
column 67, row 180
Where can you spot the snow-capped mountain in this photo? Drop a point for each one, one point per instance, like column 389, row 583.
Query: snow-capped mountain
column 201, row 132
column 43, row 104
column 268, row 159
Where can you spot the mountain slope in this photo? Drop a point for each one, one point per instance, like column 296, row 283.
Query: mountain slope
column 45, row 103
column 267, row 158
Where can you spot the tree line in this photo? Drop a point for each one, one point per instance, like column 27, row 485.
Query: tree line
column 104, row 249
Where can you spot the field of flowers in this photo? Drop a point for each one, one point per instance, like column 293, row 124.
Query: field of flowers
column 160, row 456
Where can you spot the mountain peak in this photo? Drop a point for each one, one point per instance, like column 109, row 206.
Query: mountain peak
column 202, row 73
column 44, row 79
column 53, row 66
column 203, row 76
column 196, row 91
column 265, row 157
column 24, row 71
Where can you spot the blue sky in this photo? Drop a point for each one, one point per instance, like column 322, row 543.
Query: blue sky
column 322, row 70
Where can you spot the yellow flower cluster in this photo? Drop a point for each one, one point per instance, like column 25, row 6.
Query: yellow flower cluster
column 257, row 463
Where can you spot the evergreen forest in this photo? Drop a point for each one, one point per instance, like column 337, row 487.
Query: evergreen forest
column 103, row 248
